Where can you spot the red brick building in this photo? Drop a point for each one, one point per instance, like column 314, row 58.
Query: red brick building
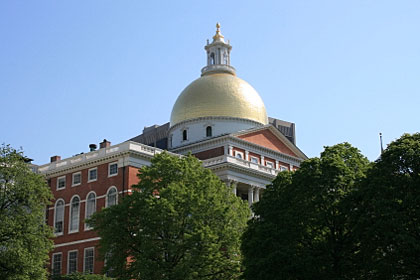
column 219, row 118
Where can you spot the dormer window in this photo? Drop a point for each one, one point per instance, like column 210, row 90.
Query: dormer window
column 209, row 131
column 184, row 135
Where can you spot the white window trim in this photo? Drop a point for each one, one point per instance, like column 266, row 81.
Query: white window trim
column 55, row 216
column 52, row 263
column 86, row 208
column 182, row 134
column 283, row 168
column 257, row 159
column 58, row 179
column 92, row 180
column 84, row 257
column 109, row 169
column 267, row 163
column 78, row 214
column 72, row 179
column 239, row 153
column 106, row 196
column 205, row 130
column 68, row 259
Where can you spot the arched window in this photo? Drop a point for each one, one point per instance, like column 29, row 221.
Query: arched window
column 90, row 207
column 212, row 60
column 111, row 197
column 184, row 135
column 59, row 217
column 74, row 214
column 208, row 131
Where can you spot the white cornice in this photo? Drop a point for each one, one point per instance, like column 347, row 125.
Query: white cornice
column 239, row 143
column 195, row 120
column 98, row 157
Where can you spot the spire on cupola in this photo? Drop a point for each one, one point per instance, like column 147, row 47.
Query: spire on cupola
column 218, row 55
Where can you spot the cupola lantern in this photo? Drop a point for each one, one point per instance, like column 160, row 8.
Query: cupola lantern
column 218, row 55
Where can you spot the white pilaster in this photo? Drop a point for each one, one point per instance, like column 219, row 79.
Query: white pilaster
column 246, row 155
column 230, row 150
column 277, row 164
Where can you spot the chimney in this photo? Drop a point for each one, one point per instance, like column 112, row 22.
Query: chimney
column 104, row 144
column 55, row 158
column 92, row 147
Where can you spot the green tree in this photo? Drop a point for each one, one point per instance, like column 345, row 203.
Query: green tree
column 24, row 235
column 302, row 226
column 180, row 222
column 388, row 216
column 80, row 276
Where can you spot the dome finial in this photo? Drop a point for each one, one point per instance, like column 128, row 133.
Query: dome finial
column 218, row 36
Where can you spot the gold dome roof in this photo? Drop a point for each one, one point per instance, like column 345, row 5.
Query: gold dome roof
column 219, row 95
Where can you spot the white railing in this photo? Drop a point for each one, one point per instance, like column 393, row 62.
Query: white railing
column 101, row 153
column 241, row 162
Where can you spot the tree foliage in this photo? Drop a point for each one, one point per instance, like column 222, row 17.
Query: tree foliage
column 180, row 222
column 24, row 235
column 80, row 276
column 388, row 216
column 302, row 226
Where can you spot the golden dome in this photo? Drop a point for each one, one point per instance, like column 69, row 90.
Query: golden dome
column 219, row 95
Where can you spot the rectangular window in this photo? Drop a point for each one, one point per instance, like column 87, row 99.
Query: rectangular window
column 93, row 174
column 77, row 178
column 61, row 182
column 269, row 164
column 113, row 169
column 72, row 262
column 56, row 264
column 88, row 261
column 283, row 168
column 254, row 159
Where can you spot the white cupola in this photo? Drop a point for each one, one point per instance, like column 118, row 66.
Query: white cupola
column 218, row 55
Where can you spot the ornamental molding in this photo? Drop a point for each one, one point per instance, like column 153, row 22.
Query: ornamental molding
column 210, row 118
column 230, row 140
column 106, row 155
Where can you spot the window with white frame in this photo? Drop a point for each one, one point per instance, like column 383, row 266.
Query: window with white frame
column 56, row 263
column 93, row 174
column 111, row 197
column 88, row 260
column 283, row 168
column 72, row 262
column 74, row 214
column 112, row 169
column 254, row 159
column 59, row 217
column 61, row 182
column 269, row 164
column 239, row 155
column 90, row 207
column 77, row 179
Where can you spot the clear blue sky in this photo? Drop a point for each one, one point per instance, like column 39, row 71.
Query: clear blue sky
column 75, row 72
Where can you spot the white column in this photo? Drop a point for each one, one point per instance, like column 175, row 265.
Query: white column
column 257, row 194
column 250, row 195
column 277, row 164
column 291, row 167
column 234, row 186
column 262, row 160
column 246, row 155
column 230, row 150
column 226, row 149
